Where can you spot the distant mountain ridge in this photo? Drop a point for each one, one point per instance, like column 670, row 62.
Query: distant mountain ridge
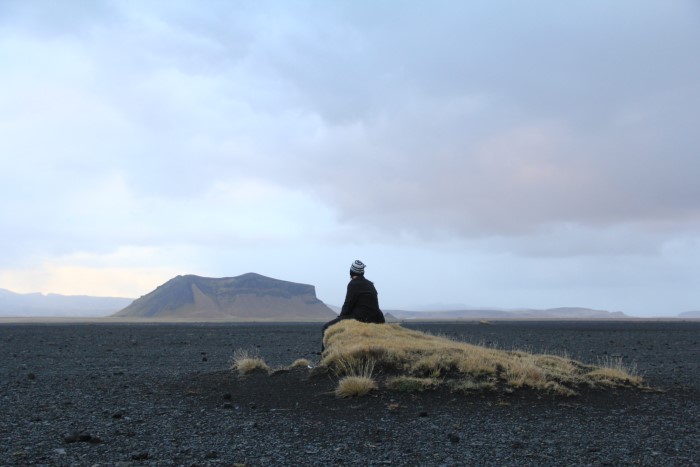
column 52, row 305
column 494, row 313
column 248, row 297
column 551, row 313
column 38, row 305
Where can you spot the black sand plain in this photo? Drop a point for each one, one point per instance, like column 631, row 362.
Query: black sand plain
column 163, row 394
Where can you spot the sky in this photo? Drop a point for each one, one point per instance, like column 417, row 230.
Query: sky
column 499, row 154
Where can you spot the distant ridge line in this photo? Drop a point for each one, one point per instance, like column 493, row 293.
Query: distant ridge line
column 486, row 313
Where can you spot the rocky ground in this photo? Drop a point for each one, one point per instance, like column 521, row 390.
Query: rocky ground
column 113, row 394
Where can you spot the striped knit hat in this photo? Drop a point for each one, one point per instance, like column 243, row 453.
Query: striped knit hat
column 357, row 268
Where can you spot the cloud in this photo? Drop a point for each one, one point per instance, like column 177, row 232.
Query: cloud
column 387, row 122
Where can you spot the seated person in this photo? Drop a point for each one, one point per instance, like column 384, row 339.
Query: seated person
column 360, row 300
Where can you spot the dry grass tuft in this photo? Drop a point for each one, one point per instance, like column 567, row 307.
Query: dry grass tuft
column 354, row 386
column 355, row 376
column 613, row 372
column 300, row 363
column 354, row 366
column 407, row 354
column 245, row 362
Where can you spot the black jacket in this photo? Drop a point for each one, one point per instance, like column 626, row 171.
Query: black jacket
column 361, row 302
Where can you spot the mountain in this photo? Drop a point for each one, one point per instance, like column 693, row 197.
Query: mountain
column 389, row 318
column 249, row 297
column 39, row 305
column 689, row 314
column 551, row 313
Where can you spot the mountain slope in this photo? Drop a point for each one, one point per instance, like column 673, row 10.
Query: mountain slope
column 249, row 297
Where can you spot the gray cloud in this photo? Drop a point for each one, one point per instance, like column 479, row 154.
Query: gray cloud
column 585, row 118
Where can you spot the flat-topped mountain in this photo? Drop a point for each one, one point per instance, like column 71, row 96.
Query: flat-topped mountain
column 248, row 297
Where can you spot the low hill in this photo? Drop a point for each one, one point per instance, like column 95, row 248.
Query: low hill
column 54, row 305
column 689, row 314
column 248, row 297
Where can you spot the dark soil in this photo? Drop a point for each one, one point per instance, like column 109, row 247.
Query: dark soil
column 123, row 395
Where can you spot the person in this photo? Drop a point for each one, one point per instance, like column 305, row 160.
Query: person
column 361, row 301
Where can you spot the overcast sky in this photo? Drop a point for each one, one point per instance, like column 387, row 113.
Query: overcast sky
column 473, row 154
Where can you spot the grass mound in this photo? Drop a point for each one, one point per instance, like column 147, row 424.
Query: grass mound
column 414, row 359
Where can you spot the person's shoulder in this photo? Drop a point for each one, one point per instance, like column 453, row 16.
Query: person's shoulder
column 364, row 283
column 358, row 280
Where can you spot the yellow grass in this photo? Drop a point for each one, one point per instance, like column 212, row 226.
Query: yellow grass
column 612, row 372
column 245, row 362
column 352, row 386
column 355, row 376
column 300, row 363
column 397, row 350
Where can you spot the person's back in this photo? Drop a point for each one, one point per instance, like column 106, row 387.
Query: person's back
column 361, row 302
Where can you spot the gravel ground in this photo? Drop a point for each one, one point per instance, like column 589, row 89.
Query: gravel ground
column 113, row 394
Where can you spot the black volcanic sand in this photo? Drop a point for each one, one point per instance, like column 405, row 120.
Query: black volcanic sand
column 112, row 394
